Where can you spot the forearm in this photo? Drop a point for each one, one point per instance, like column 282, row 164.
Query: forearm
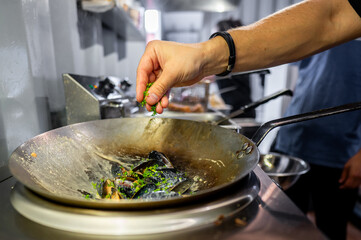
column 289, row 35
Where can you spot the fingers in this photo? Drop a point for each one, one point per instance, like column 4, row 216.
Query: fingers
column 344, row 175
column 349, row 179
column 158, row 109
column 142, row 80
column 160, row 88
column 148, row 64
column 350, row 183
column 165, row 100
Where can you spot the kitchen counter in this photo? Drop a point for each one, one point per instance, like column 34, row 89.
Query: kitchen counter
column 270, row 216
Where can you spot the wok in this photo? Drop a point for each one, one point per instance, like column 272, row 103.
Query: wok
column 61, row 164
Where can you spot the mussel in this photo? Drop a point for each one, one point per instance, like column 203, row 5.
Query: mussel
column 153, row 178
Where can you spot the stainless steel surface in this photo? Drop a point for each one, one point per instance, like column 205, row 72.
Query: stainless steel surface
column 61, row 164
column 271, row 216
column 80, row 104
column 208, row 117
column 127, row 222
column 254, row 105
column 284, row 170
column 86, row 99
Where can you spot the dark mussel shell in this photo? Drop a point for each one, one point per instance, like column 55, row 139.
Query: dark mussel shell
column 125, row 188
column 145, row 191
column 161, row 158
column 170, row 176
column 117, row 169
column 182, row 187
column 154, row 158
column 144, row 164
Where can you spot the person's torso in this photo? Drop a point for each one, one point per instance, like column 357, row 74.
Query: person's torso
column 328, row 79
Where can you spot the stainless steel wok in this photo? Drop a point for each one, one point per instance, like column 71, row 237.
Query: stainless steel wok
column 61, row 164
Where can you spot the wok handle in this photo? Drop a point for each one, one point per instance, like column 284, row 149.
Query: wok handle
column 268, row 126
column 253, row 105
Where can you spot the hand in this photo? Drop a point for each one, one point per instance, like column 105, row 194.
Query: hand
column 351, row 174
column 169, row 64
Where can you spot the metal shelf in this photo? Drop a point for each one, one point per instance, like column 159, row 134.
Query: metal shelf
column 118, row 20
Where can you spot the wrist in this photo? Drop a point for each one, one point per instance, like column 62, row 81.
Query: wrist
column 215, row 56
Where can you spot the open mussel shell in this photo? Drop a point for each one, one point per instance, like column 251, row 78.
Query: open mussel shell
column 154, row 157
column 160, row 157
column 182, row 187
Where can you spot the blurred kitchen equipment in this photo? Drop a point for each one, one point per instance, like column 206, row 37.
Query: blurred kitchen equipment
column 262, row 73
column 197, row 94
column 245, row 126
column 92, row 98
column 234, row 89
column 61, row 164
column 284, row 170
column 253, row 105
column 97, row 6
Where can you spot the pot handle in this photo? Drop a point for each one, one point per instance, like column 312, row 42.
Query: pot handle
column 254, row 105
column 268, row 126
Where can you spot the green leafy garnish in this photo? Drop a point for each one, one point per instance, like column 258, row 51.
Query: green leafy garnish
column 146, row 94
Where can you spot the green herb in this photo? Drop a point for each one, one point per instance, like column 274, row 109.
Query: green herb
column 145, row 95
column 154, row 107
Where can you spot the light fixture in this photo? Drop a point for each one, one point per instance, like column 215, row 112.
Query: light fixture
column 151, row 21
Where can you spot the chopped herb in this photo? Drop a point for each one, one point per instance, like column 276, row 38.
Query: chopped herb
column 140, row 182
column 145, row 95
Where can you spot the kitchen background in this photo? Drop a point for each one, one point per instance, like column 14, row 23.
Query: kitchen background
column 42, row 39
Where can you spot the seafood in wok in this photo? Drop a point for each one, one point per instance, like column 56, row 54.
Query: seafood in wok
column 152, row 178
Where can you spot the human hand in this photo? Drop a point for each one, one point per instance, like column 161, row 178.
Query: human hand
column 351, row 174
column 168, row 64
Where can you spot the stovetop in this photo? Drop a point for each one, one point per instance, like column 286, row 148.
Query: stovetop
column 268, row 214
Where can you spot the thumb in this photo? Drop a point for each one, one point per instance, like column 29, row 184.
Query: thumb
column 159, row 88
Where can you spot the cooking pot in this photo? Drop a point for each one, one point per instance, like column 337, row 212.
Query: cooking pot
column 61, row 164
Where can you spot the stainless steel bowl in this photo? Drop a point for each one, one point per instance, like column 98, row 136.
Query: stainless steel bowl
column 284, row 170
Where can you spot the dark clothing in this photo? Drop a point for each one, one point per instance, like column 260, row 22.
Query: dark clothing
column 332, row 206
column 239, row 97
column 328, row 79
column 356, row 4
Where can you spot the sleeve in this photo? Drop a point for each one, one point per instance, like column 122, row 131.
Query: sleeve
column 356, row 4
